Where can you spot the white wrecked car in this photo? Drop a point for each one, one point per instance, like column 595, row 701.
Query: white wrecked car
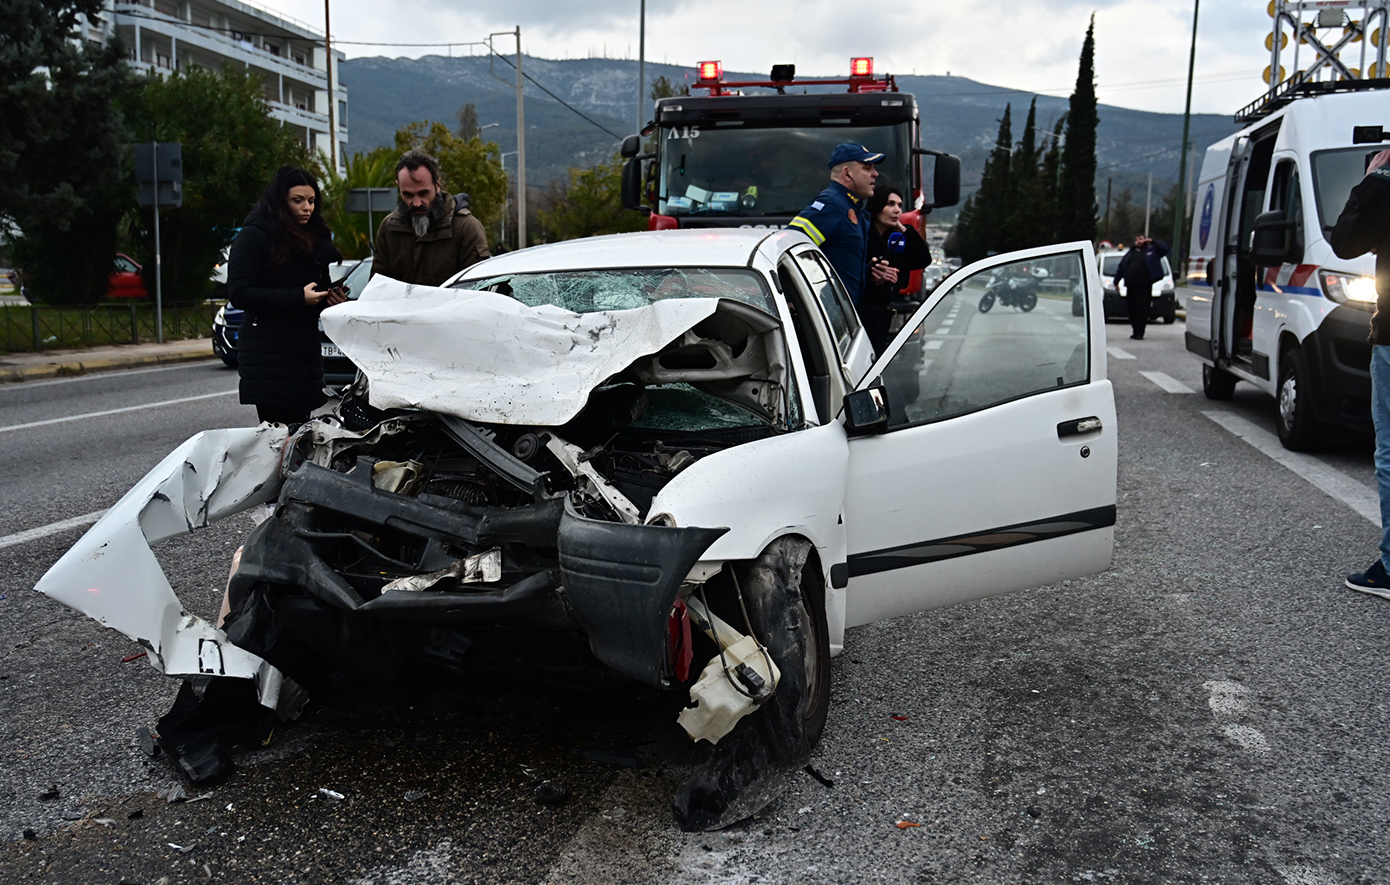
column 676, row 444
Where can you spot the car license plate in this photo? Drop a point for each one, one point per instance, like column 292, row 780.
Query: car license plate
column 331, row 350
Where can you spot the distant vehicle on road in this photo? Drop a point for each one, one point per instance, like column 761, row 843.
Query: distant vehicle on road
column 1163, row 307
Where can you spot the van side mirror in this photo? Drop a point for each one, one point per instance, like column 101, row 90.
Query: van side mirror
column 632, row 146
column 1273, row 241
column 866, row 411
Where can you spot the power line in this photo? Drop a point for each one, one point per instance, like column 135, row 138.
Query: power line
column 558, row 98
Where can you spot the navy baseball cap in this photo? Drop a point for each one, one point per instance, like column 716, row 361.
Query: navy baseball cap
column 853, row 153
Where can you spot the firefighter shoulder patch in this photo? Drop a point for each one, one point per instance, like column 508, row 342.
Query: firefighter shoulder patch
column 853, row 219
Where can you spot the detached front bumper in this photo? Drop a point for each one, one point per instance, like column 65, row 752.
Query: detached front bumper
column 615, row 582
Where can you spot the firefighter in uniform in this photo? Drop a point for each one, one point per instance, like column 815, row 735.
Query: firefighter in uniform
column 837, row 220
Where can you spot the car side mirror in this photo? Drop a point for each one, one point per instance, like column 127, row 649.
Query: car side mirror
column 1272, row 243
column 632, row 146
column 866, row 411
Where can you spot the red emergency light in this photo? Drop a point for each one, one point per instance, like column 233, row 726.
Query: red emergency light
column 711, row 70
column 861, row 67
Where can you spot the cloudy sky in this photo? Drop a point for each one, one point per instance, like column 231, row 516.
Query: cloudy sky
column 1141, row 45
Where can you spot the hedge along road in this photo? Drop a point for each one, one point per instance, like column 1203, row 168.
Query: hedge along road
column 1208, row 708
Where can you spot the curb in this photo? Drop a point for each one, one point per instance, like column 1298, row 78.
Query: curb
column 76, row 367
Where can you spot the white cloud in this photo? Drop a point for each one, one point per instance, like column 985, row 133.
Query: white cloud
column 1141, row 47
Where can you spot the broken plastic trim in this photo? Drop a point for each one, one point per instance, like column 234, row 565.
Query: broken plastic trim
column 720, row 700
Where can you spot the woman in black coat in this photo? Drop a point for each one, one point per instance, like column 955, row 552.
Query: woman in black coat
column 899, row 248
column 278, row 274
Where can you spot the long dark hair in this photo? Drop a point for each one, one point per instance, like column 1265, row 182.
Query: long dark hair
column 291, row 237
column 880, row 199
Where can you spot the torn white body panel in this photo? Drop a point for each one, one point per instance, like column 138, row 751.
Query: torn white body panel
column 487, row 357
column 112, row 575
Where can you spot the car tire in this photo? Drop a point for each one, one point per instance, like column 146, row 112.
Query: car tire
column 1217, row 384
column 1170, row 317
column 1027, row 301
column 986, row 302
column 1078, row 309
column 1299, row 429
column 230, row 361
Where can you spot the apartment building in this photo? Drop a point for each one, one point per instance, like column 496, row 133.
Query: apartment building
column 289, row 56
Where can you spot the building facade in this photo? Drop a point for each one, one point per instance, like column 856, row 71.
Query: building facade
column 289, row 56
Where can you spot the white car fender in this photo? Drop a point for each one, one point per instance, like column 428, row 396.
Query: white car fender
column 792, row 484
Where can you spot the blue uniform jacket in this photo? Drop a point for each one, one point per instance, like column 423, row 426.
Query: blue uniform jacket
column 837, row 222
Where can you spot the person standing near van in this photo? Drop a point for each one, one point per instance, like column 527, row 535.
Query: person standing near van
column 1140, row 268
column 1364, row 226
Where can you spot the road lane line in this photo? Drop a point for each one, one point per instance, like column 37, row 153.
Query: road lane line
column 94, row 376
column 1118, row 354
column 105, row 412
column 934, row 344
column 1330, row 480
column 1167, row 382
column 53, row 528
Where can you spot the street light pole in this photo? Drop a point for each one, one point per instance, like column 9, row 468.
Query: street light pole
column 332, row 99
column 520, row 151
column 641, row 66
column 1180, row 204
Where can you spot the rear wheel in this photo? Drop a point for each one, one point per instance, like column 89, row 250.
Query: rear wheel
column 986, row 302
column 1170, row 317
column 1027, row 301
column 1217, row 384
column 1299, row 430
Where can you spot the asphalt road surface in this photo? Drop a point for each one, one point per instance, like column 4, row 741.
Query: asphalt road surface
column 1212, row 708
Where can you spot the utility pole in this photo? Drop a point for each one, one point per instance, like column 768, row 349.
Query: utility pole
column 641, row 67
column 332, row 97
column 520, row 151
column 1148, row 204
column 1182, row 162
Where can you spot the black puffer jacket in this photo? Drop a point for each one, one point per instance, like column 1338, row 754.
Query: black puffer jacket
column 279, row 355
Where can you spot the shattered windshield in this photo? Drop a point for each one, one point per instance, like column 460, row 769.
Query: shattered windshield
column 686, row 408
column 589, row 291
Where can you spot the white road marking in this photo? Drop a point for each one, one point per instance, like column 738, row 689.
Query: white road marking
column 1227, row 698
column 53, row 528
column 120, row 373
column 934, row 345
column 1118, row 354
column 1330, row 480
column 105, row 412
column 1247, row 738
column 1167, row 382
column 947, row 322
column 942, row 332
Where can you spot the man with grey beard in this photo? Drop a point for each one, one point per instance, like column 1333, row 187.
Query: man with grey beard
column 430, row 236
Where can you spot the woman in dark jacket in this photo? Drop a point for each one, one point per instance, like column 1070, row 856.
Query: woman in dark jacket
column 896, row 246
column 278, row 274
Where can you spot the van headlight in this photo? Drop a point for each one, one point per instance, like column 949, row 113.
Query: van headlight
column 1343, row 288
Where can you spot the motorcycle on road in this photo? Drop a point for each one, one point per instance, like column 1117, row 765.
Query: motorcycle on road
column 1019, row 290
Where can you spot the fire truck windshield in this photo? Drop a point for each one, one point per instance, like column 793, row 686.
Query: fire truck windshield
column 765, row 172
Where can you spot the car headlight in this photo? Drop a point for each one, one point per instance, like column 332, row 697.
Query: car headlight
column 1342, row 288
column 221, row 318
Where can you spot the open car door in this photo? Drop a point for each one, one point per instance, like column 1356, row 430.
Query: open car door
column 997, row 470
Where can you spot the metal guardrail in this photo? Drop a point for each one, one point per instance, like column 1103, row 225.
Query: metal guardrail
column 34, row 328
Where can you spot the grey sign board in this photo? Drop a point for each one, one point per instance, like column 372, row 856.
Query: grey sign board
column 377, row 200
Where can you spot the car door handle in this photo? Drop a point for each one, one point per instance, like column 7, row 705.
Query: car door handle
column 1078, row 426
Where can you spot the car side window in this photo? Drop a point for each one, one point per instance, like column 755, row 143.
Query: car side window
column 124, row 265
column 831, row 294
column 998, row 335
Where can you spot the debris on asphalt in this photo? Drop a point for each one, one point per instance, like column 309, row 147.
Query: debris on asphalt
column 331, row 794
column 183, row 849
column 825, row 781
column 50, row 794
column 550, row 793
column 146, row 740
column 906, row 824
column 135, row 657
column 900, row 718
column 136, row 814
column 415, row 795
column 74, row 815
column 30, row 834
column 104, row 821
column 616, row 813
column 172, row 794
column 1033, row 811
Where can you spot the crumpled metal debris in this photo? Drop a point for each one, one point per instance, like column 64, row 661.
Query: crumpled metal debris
column 485, row 567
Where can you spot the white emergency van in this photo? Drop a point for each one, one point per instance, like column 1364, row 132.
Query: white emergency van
column 1270, row 303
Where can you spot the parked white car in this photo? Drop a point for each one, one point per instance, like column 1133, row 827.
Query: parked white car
column 621, row 438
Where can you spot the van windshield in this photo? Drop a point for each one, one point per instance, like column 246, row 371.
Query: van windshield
column 1335, row 173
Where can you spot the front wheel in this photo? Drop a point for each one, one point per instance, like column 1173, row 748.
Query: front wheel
column 1217, row 384
column 1170, row 317
column 1027, row 301
column 986, row 302
column 1299, row 429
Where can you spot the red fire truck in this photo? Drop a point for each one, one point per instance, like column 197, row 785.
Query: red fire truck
column 730, row 159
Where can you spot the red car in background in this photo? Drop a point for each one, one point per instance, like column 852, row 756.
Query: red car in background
column 125, row 279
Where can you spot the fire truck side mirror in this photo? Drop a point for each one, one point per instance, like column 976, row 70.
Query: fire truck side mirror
column 632, row 182
column 632, row 146
column 946, row 181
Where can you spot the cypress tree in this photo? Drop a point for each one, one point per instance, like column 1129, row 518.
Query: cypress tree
column 1027, row 211
column 985, row 217
column 1077, row 197
column 1051, row 184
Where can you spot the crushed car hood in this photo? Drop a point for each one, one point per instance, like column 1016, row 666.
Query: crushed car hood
column 487, row 357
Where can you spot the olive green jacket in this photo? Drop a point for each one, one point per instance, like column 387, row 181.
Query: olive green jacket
column 455, row 242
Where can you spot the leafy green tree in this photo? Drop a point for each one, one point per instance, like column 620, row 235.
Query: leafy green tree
column 588, row 204
column 468, row 122
column 471, row 166
column 662, row 87
column 1076, row 199
column 231, row 148
column 61, row 148
column 350, row 232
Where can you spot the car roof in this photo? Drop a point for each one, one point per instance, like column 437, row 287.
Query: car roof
column 705, row 247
